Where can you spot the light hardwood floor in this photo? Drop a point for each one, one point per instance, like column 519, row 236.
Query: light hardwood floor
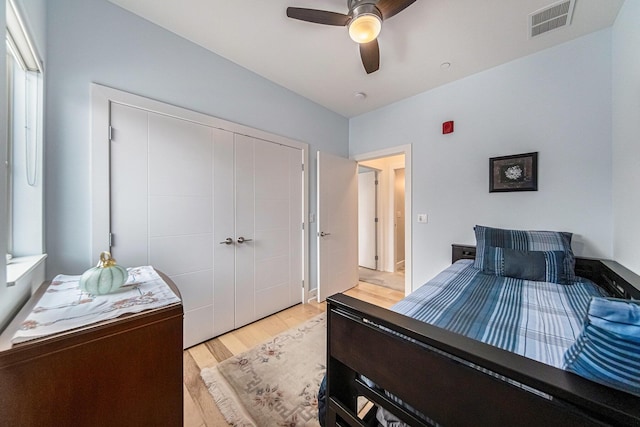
column 199, row 407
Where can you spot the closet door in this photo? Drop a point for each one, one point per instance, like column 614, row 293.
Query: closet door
column 224, row 253
column 129, row 153
column 181, row 216
column 162, row 179
column 268, row 181
column 220, row 213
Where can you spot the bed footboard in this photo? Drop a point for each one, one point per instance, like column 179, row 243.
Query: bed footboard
column 436, row 372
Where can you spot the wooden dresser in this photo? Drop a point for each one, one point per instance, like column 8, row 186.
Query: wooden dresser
column 121, row 372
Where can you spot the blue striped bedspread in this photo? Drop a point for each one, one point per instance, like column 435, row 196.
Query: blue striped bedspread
column 538, row 320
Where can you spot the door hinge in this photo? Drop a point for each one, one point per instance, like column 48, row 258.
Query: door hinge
column 110, row 239
column 303, row 284
column 303, row 225
column 303, row 167
column 376, row 220
column 110, row 133
column 376, row 182
column 376, row 257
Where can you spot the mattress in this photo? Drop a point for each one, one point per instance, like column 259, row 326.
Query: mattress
column 538, row 320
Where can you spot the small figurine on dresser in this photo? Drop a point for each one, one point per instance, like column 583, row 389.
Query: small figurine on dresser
column 105, row 278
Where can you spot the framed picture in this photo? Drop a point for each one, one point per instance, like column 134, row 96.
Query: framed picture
column 513, row 173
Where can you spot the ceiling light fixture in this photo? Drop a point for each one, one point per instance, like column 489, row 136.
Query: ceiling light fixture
column 366, row 24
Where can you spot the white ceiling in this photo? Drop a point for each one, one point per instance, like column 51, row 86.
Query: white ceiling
column 321, row 63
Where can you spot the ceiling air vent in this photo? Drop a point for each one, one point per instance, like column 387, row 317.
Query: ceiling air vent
column 551, row 17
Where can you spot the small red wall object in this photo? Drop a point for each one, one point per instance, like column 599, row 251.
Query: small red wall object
column 447, row 127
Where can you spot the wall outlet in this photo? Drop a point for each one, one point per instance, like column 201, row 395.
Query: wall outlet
column 422, row 218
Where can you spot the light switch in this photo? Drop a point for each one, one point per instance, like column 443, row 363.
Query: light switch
column 422, row 218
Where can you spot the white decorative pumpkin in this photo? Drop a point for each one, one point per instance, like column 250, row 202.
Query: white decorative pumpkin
column 105, row 278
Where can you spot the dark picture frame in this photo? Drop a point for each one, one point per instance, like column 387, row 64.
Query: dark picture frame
column 518, row 172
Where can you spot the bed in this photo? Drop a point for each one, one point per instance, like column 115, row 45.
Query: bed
column 426, row 375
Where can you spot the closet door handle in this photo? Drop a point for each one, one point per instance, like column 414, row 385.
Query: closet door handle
column 322, row 234
column 227, row 241
column 242, row 240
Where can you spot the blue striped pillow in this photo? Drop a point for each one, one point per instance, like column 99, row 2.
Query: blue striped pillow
column 522, row 240
column 608, row 348
column 540, row 266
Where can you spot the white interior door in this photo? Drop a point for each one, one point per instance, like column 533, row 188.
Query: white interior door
column 337, row 225
column 367, row 248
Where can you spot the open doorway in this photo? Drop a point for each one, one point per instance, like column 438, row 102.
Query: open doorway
column 381, row 221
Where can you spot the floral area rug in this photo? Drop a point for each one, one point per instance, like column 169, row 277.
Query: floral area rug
column 275, row 383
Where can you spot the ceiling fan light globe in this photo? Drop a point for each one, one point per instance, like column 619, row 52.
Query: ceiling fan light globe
column 365, row 28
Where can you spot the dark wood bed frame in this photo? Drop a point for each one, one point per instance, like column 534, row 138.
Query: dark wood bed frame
column 452, row 393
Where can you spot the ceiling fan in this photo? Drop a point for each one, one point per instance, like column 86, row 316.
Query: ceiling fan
column 364, row 21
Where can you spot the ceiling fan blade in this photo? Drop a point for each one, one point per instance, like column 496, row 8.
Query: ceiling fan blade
column 370, row 54
column 388, row 8
column 318, row 16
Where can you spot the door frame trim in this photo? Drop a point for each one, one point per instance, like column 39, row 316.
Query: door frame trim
column 101, row 99
column 387, row 152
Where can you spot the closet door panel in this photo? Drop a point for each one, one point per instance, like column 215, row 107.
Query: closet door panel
column 128, row 176
column 180, row 156
column 198, row 326
column 181, row 238
column 273, row 212
column 197, row 209
column 271, row 300
column 273, row 272
column 200, row 283
column 296, row 213
column 279, row 207
column 224, row 298
column 273, row 165
column 274, row 223
column 181, row 254
column 245, row 182
column 245, row 227
column 272, row 242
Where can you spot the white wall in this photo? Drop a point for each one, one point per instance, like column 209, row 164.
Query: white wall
column 626, row 135
column 96, row 41
column 556, row 102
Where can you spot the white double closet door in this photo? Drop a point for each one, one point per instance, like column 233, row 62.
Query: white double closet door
column 220, row 213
